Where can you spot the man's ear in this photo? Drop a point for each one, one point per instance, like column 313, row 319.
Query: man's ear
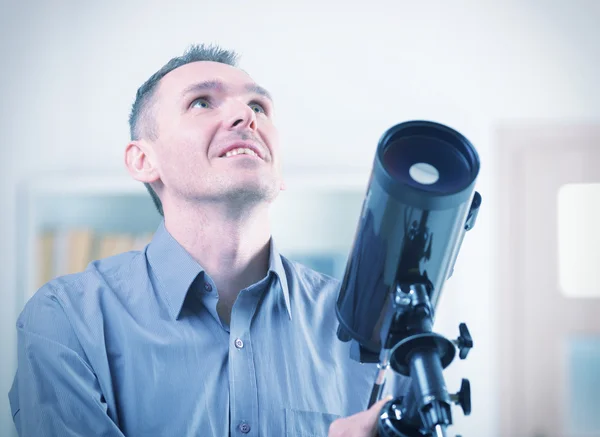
column 140, row 161
column 282, row 187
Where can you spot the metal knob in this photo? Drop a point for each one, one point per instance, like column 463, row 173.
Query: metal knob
column 463, row 397
column 464, row 342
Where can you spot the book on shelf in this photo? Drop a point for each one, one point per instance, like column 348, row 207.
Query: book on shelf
column 65, row 251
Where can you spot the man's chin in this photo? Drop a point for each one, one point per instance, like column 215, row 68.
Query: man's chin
column 251, row 194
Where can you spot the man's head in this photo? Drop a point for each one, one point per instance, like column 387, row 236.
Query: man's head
column 202, row 130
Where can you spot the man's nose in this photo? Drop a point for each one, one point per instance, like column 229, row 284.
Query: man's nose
column 241, row 116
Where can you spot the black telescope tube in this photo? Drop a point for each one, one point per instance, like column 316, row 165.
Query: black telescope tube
column 411, row 224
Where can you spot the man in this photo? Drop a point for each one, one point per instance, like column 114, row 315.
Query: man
column 208, row 331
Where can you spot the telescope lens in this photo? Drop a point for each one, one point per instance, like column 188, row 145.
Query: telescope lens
column 427, row 163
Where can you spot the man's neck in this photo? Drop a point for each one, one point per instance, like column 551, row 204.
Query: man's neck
column 233, row 249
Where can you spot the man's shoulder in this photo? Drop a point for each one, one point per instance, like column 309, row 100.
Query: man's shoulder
column 102, row 273
column 304, row 271
column 308, row 280
column 86, row 288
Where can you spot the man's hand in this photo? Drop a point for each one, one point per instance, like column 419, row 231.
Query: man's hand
column 363, row 424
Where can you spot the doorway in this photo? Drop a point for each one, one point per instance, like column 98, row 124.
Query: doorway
column 548, row 286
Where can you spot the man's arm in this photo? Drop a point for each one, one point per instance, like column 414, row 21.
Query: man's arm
column 55, row 391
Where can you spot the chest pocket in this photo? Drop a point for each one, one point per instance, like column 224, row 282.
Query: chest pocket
column 307, row 423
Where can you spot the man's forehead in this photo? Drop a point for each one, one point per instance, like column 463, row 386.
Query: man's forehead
column 182, row 77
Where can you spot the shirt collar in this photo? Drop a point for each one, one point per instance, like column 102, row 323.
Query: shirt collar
column 175, row 270
column 276, row 266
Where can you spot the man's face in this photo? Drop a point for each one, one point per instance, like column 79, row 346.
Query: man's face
column 215, row 137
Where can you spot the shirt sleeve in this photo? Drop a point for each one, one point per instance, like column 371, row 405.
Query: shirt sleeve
column 55, row 391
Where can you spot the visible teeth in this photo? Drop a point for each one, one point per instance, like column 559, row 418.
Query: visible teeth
column 240, row 150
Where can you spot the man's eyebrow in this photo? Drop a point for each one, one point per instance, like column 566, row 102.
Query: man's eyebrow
column 253, row 88
column 217, row 85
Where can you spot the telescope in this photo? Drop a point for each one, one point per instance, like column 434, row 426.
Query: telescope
column 420, row 202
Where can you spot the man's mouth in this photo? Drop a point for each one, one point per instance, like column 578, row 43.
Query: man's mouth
column 240, row 151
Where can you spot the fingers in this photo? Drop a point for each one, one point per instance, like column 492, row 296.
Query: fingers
column 375, row 409
column 363, row 424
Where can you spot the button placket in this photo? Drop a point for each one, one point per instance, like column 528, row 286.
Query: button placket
column 243, row 385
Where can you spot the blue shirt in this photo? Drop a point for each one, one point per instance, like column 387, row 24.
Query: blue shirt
column 134, row 346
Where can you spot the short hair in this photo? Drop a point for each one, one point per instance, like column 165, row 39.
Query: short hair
column 141, row 121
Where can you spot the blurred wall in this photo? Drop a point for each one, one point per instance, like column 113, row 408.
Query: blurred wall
column 341, row 72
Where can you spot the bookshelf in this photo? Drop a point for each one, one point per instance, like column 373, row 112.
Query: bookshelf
column 67, row 220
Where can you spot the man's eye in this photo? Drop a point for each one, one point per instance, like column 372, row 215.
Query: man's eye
column 257, row 107
column 202, row 102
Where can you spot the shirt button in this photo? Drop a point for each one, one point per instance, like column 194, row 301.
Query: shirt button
column 244, row 427
column 207, row 286
column 239, row 343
